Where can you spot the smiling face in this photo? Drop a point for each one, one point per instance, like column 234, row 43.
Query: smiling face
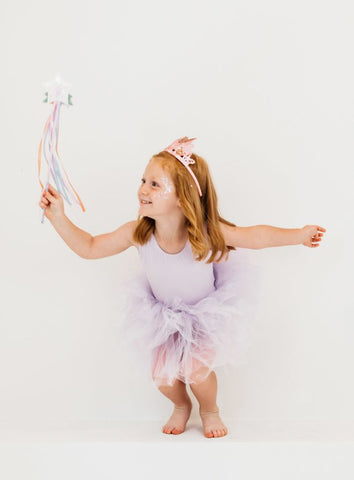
column 157, row 187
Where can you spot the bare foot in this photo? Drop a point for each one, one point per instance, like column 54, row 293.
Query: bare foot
column 177, row 422
column 213, row 426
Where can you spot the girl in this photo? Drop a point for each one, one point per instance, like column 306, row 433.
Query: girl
column 187, row 312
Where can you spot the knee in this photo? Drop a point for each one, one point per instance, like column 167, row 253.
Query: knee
column 163, row 385
column 196, row 380
column 176, row 383
column 201, row 376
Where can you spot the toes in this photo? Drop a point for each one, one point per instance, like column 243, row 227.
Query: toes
column 215, row 433
column 173, row 430
column 177, row 431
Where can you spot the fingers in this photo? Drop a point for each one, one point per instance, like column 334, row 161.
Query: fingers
column 52, row 190
column 51, row 201
column 43, row 203
column 315, row 240
column 48, row 196
column 51, row 194
column 45, row 199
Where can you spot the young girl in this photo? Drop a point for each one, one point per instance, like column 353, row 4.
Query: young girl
column 187, row 313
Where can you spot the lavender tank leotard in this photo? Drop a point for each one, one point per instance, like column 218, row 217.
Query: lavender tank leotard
column 176, row 275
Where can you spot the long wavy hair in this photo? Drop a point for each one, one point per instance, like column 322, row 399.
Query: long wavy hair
column 198, row 211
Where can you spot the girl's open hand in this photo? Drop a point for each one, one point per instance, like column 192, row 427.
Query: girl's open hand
column 312, row 235
column 52, row 202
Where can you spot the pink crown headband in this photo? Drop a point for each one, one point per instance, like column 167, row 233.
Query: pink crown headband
column 182, row 150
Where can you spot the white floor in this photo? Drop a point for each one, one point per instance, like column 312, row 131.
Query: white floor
column 134, row 450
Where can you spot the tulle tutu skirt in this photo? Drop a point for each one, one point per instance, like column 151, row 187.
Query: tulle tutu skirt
column 184, row 341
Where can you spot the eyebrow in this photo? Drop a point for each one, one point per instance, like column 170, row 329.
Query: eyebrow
column 153, row 178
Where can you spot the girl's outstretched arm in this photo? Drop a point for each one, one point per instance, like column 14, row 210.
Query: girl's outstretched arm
column 309, row 235
column 263, row 236
column 243, row 237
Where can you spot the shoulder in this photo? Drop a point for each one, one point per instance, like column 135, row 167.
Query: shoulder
column 131, row 226
column 227, row 232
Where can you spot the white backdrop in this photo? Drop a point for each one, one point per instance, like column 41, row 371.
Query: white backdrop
column 267, row 89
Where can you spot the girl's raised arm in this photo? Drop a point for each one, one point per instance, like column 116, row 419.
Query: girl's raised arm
column 112, row 243
column 83, row 243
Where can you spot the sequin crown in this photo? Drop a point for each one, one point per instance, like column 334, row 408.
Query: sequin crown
column 182, row 150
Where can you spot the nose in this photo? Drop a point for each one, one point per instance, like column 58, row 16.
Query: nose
column 143, row 190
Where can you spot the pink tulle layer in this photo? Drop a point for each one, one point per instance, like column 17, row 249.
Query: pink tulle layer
column 187, row 341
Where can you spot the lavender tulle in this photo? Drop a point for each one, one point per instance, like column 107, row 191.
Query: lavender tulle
column 188, row 341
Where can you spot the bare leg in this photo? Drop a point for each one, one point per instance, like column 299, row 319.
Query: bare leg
column 182, row 410
column 205, row 393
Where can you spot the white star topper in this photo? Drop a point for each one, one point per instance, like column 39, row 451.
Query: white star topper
column 58, row 91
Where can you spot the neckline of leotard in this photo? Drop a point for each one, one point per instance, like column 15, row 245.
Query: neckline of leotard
column 166, row 253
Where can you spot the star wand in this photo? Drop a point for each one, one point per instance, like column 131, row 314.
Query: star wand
column 58, row 95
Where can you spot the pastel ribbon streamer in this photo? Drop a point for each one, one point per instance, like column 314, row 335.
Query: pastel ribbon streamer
column 57, row 95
